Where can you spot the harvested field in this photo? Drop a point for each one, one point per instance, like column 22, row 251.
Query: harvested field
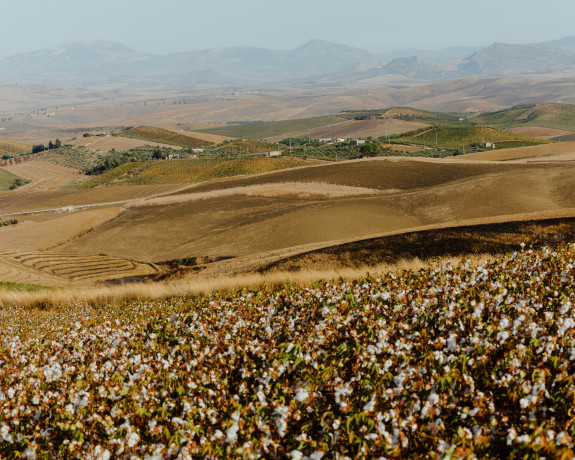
column 355, row 129
column 107, row 143
column 539, row 132
column 68, row 269
column 32, row 234
column 22, row 201
column 79, row 268
column 534, row 151
column 45, row 176
column 419, row 193
column 377, row 173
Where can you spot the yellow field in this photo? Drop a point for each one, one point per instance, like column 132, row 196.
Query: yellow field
column 13, row 148
column 45, row 176
column 108, row 143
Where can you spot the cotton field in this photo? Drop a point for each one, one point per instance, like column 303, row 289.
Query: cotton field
column 452, row 361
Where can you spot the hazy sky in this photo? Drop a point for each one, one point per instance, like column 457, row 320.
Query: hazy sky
column 164, row 26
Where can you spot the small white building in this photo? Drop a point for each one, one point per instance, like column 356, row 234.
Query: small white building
column 358, row 142
column 274, row 153
column 488, row 145
column 339, row 139
column 198, row 150
column 326, row 141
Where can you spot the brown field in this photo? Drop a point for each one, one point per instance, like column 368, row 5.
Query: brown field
column 21, row 201
column 541, row 133
column 45, row 176
column 560, row 150
column 419, row 193
column 108, row 143
column 279, row 220
column 355, row 129
column 189, row 131
column 24, row 255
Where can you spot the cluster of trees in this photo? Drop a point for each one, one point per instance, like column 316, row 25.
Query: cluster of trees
column 8, row 222
column 51, row 145
column 19, row 183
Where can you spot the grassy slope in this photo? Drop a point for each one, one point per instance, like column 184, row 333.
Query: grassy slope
column 409, row 114
column 163, row 136
column 557, row 116
column 455, row 137
column 190, row 170
column 6, row 179
column 274, row 128
column 13, row 148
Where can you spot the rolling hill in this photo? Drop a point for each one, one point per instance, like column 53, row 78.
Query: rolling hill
column 163, row 136
column 554, row 116
column 274, row 128
column 450, row 137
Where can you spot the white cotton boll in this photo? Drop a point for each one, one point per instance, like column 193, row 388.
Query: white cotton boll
column 511, row 436
column 232, row 433
column 370, row 406
column 561, row 438
column 523, row 439
column 101, row 453
column 502, row 337
column 5, row 433
column 443, row 446
column 504, row 323
column 295, row 455
column 132, row 439
column 317, row 455
column 452, row 343
column 281, row 414
column 301, row 395
column 433, row 398
column 524, row 403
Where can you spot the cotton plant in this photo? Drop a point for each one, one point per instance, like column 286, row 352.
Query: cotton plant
column 451, row 361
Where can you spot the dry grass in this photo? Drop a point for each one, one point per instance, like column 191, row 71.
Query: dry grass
column 203, row 286
column 273, row 190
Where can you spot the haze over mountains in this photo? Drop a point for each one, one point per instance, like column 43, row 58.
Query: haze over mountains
column 100, row 63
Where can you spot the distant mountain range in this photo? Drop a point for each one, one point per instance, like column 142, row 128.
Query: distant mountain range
column 106, row 64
